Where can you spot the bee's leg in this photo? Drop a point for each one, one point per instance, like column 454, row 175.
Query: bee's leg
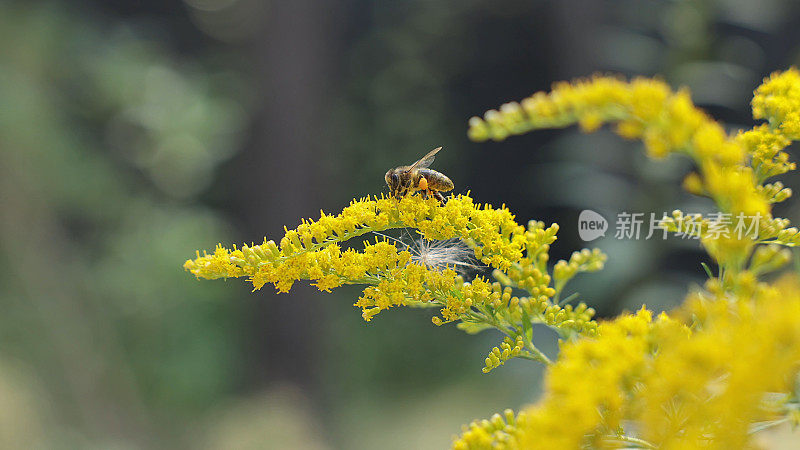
column 438, row 195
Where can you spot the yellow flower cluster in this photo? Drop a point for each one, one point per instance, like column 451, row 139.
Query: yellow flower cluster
column 731, row 169
column 775, row 192
column 498, row 240
column 687, row 225
column 768, row 258
column 500, row 302
column 715, row 381
column 583, row 261
column 530, row 272
column 704, row 376
column 313, row 252
column 778, row 101
column 777, row 230
column 590, row 375
column 765, row 145
column 644, row 109
column 589, row 384
column 759, row 229
column 568, row 321
column 684, row 389
column 494, row 302
column 497, row 432
column 727, row 238
column 510, row 348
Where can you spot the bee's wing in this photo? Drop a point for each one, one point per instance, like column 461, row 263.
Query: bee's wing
column 426, row 160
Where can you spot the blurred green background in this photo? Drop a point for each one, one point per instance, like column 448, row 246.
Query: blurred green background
column 133, row 133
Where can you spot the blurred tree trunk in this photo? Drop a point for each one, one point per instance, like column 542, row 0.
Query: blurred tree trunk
column 75, row 353
column 280, row 175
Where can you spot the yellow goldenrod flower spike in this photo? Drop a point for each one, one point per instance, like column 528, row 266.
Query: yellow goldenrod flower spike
column 731, row 170
column 777, row 100
column 713, row 378
column 394, row 277
column 668, row 122
column 498, row 240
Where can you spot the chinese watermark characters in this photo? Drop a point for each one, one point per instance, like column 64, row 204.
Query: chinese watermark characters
column 639, row 225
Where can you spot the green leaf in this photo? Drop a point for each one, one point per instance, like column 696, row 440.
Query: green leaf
column 708, row 271
column 526, row 325
column 473, row 327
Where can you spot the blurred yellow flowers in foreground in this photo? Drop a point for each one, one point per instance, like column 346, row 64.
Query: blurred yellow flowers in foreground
column 710, row 374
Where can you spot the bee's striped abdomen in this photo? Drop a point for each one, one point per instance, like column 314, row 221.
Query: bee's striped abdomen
column 437, row 181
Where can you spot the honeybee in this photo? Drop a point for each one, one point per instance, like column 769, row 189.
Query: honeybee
column 418, row 177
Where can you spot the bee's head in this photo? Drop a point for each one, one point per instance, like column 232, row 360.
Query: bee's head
column 393, row 181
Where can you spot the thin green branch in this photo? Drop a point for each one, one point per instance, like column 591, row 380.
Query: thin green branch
column 540, row 356
column 635, row 442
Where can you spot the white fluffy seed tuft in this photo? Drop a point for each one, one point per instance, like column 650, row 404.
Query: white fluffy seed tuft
column 448, row 253
column 440, row 254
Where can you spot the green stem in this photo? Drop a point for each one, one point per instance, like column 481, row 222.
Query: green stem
column 536, row 354
column 639, row 443
column 761, row 426
column 541, row 357
column 568, row 299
